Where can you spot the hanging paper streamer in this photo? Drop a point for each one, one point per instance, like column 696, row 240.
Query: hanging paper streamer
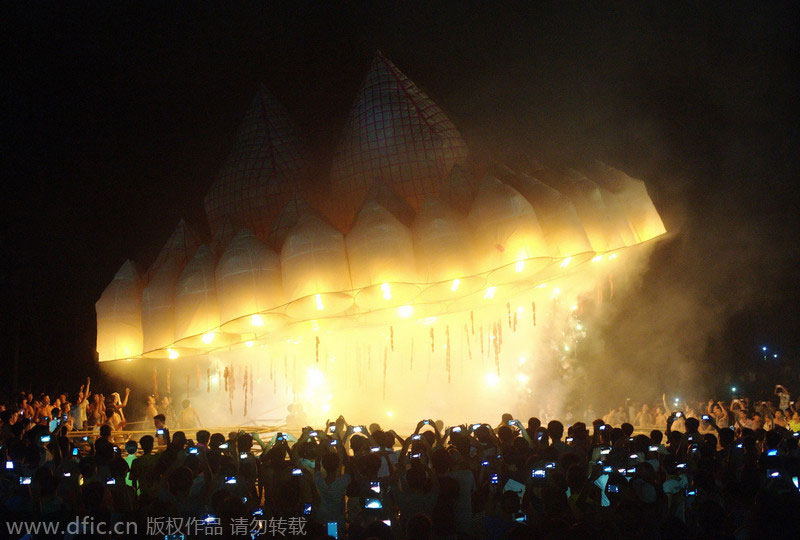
column 251, row 385
column 197, row 371
column 499, row 335
column 447, row 351
column 496, row 340
column 244, row 387
column 155, row 383
column 610, row 287
column 208, row 380
column 231, row 389
column 431, row 339
column 391, row 337
column 508, row 309
column 385, row 355
column 533, row 310
column 469, row 346
column 482, row 355
column 316, row 344
column 169, row 381
column 515, row 322
column 472, row 321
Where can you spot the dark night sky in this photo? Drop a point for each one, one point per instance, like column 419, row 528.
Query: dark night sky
column 117, row 116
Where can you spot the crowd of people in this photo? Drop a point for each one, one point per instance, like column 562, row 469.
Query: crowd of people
column 715, row 470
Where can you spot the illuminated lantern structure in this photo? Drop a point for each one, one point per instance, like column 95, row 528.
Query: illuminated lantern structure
column 119, row 315
column 410, row 265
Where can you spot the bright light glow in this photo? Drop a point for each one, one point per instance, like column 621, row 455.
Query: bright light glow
column 326, row 407
column 541, row 286
column 522, row 360
column 492, row 379
column 214, row 378
column 404, row 312
column 318, row 298
column 387, row 291
column 597, row 258
column 579, row 326
column 520, row 266
column 454, row 286
column 612, row 256
column 314, row 325
column 173, row 354
column 428, row 320
column 733, row 389
column 489, row 294
column 208, row 338
column 566, row 347
column 389, row 413
column 256, row 320
column 520, row 309
column 556, row 292
column 314, row 378
column 764, row 349
column 522, row 378
column 565, row 262
column 248, row 344
column 775, row 355
column 574, row 307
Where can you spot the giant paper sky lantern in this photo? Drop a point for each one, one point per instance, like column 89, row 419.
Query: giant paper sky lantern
column 119, row 316
column 316, row 276
column 561, row 226
column 248, row 280
column 444, row 252
column 381, row 255
column 196, row 308
column 263, row 170
column 591, row 208
column 508, row 238
column 396, row 135
column 436, row 274
column 158, row 297
column 458, row 189
column 632, row 195
column 618, row 217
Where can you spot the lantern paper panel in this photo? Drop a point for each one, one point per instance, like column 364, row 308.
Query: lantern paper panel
column 119, row 316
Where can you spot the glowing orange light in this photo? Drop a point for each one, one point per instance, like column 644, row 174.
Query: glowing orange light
column 387, row 291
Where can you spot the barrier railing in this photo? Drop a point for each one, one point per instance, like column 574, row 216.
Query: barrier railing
column 120, row 437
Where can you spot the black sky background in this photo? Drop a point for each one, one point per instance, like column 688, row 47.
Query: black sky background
column 116, row 117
